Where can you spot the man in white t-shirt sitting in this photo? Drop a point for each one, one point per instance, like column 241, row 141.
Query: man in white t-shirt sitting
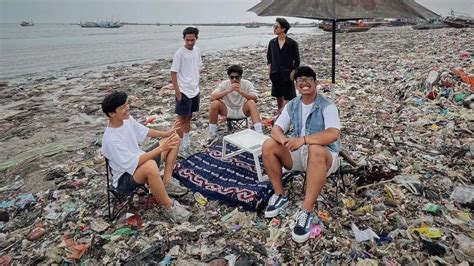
column 234, row 98
column 131, row 166
column 313, row 147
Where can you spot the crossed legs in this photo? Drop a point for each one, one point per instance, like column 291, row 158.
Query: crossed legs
column 149, row 173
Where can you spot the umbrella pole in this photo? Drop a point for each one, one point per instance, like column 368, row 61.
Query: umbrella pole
column 333, row 93
column 334, row 51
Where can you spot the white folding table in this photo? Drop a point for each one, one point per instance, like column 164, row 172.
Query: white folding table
column 247, row 141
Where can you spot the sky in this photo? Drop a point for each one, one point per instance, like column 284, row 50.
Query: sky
column 163, row 11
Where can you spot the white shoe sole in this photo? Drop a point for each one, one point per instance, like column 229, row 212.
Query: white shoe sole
column 177, row 194
column 274, row 213
column 298, row 238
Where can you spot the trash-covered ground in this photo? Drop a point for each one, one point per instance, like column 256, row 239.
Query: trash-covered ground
column 406, row 104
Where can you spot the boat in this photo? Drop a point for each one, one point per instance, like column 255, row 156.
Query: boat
column 101, row 24
column 27, row 23
column 252, row 25
column 456, row 23
column 429, row 25
column 458, row 20
column 374, row 22
column 345, row 27
column 400, row 23
column 88, row 24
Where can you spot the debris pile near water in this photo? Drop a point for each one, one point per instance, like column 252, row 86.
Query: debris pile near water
column 405, row 103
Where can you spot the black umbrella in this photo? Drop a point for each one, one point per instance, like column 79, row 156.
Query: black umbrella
column 342, row 10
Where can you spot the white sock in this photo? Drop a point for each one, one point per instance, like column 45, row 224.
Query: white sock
column 186, row 139
column 182, row 145
column 258, row 127
column 213, row 129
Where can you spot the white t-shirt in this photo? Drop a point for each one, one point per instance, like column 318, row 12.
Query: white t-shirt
column 234, row 100
column 330, row 114
column 120, row 146
column 187, row 64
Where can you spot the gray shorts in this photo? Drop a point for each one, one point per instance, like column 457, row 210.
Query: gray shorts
column 300, row 160
column 235, row 113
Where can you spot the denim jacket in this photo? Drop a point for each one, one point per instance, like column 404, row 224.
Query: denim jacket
column 315, row 121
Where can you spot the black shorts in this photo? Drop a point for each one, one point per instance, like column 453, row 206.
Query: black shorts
column 187, row 106
column 127, row 185
column 282, row 85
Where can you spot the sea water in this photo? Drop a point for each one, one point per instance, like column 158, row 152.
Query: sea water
column 53, row 48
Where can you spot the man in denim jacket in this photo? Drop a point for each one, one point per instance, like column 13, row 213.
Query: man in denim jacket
column 313, row 147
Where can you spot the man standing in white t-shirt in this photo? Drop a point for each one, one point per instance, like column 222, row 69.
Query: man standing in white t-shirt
column 234, row 98
column 132, row 167
column 185, row 70
column 313, row 148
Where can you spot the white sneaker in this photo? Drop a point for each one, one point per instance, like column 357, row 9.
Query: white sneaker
column 177, row 213
column 276, row 205
column 303, row 226
column 175, row 189
column 211, row 140
column 185, row 151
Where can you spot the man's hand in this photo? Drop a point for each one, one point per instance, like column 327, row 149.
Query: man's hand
column 176, row 125
column 170, row 143
column 284, row 140
column 178, row 95
column 294, row 143
column 235, row 87
column 292, row 75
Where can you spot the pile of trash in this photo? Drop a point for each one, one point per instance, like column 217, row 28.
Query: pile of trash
column 405, row 100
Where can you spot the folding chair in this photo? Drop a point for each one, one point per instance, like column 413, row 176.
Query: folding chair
column 118, row 201
column 234, row 124
column 338, row 179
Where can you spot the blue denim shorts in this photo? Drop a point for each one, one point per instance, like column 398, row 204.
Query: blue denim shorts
column 127, row 185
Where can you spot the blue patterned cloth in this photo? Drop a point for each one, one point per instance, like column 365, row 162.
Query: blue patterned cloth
column 233, row 181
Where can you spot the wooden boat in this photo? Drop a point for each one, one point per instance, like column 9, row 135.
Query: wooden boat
column 459, row 22
column 429, row 26
column 345, row 28
column 27, row 23
column 101, row 24
column 252, row 25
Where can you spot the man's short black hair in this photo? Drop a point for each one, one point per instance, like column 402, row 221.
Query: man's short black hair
column 305, row 71
column 235, row 69
column 112, row 101
column 284, row 24
column 191, row 30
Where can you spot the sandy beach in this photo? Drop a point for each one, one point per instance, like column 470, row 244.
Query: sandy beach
column 401, row 106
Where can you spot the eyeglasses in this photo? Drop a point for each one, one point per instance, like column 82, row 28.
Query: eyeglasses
column 304, row 79
column 234, row 77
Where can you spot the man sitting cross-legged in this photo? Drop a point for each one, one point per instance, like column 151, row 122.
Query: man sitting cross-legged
column 234, row 98
column 313, row 147
column 131, row 166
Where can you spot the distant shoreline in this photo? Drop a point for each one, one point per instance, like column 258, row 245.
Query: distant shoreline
column 259, row 24
column 113, row 45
